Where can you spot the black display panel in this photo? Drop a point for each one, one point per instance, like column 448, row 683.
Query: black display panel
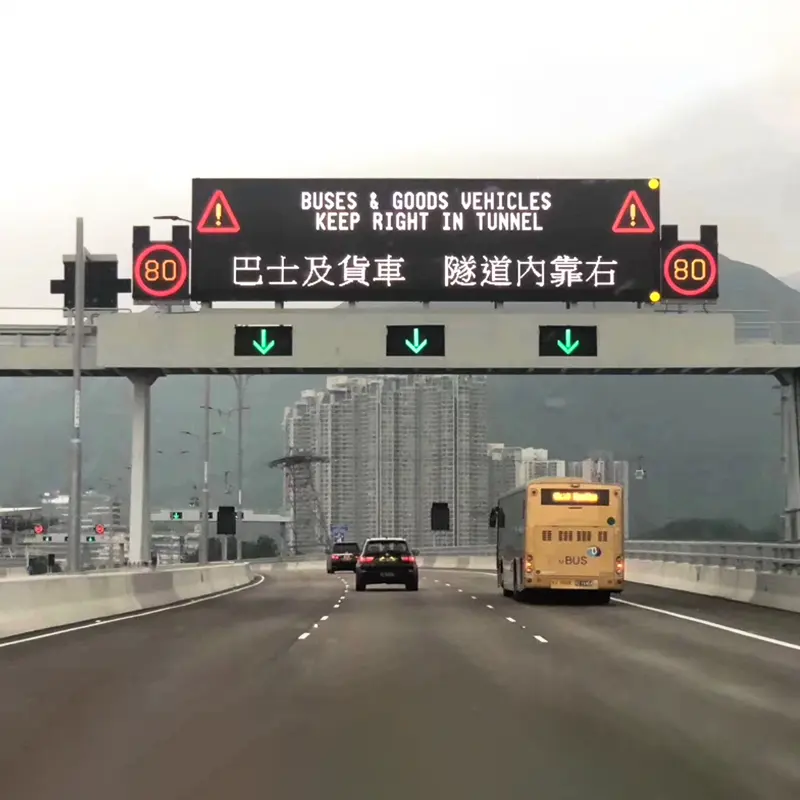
column 425, row 240
column 564, row 341
column 262, row 340
column 415, row 340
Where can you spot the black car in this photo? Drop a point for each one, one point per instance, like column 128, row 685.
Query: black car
column 387, row 561
column 343, row 556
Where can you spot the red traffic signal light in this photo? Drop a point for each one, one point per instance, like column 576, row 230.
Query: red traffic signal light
column 101, row 529
column 38, row 528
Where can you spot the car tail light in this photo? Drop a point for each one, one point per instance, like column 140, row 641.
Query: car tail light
column 366, row 559
column 408, row 559
column 335, row 558
column 620, row 565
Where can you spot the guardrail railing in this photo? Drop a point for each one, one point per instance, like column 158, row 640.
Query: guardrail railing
column 758, row 556
column 783, row 557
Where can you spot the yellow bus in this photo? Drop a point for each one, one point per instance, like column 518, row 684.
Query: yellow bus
column 560, row 533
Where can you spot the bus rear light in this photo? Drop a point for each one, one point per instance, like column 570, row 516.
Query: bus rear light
column 620, row 565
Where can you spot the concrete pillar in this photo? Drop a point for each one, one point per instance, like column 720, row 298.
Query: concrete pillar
column 790, row 434
column 139, row 551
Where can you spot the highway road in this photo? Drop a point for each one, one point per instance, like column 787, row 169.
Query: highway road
column 300, row 687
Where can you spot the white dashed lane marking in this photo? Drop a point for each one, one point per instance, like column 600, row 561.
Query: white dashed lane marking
column 538, row 638
column 325, row 617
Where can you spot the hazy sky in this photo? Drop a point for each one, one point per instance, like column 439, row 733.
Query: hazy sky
column 109, row 110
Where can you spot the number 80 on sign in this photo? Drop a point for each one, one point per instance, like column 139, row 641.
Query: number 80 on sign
column 161, row 272
column 691, row 271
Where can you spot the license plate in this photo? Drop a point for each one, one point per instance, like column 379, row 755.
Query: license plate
column 387, row 574
column 573, row 585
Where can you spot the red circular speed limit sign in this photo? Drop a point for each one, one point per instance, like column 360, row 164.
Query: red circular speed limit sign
column 690, row 270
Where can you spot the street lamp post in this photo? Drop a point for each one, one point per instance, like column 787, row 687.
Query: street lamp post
column 202, row 555
column 241, row 384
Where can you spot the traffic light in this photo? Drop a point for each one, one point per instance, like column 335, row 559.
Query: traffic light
column 38, row 529
column 176, row 515
column 226, row 521
column 440, row 517
column 102, row 285
column 100, row 529
column 91, row 538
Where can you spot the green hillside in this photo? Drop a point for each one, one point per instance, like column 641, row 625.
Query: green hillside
column 710, row 444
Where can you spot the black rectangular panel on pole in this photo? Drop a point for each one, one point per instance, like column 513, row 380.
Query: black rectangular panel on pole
column 102, row 285
column 226, row 521
column 440, row 517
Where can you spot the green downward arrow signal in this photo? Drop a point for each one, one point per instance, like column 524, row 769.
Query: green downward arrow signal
column 416, row 346
column 263, row 345
column 568, row 346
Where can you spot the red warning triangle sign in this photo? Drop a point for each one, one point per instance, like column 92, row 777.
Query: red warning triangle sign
column 633, row 216
column 218, row 216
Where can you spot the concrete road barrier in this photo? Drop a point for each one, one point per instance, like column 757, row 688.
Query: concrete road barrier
column 291, row 566
column 50, row 601
column 772, row 590
column 780, row 591
column 742, row 585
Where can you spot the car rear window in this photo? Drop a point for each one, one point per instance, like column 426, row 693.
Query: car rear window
column 347, row 547
column 376, row 548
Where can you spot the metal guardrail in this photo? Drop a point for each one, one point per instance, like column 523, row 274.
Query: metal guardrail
column 775, row 557
column 759, row 556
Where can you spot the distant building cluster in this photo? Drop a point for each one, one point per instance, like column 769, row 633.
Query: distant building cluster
column 382, row 450
column 392, row 446
column 512, row 466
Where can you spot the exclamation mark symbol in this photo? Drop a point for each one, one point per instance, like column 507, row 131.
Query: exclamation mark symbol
column 218, row 214
column 632, row 213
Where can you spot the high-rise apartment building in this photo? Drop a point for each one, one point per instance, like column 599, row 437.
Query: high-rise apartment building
column 513, row 466
column 392, row 446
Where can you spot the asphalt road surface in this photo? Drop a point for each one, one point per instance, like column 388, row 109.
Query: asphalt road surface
column 296, row 688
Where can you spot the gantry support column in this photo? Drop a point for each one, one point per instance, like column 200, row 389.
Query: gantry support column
column 139, row 550
column 790, row 437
